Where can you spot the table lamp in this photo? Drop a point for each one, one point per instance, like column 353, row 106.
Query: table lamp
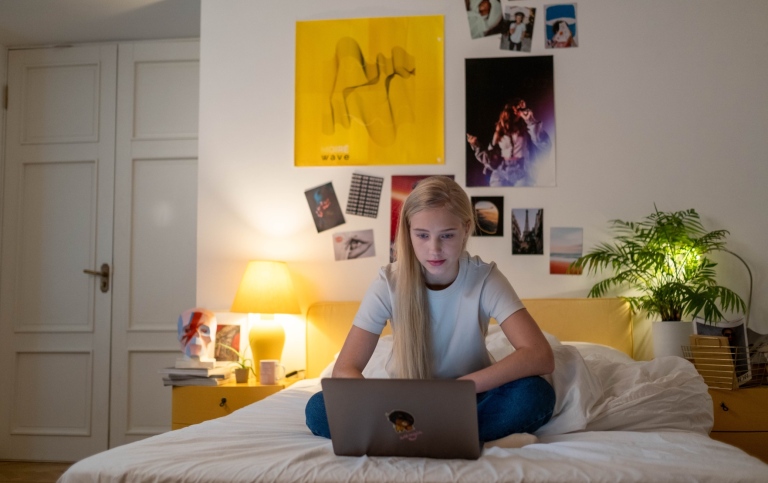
column 266, row 289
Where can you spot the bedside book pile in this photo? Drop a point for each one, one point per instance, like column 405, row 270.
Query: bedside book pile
column 197, row 376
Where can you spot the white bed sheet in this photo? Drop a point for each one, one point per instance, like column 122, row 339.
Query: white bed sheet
column 616, row 420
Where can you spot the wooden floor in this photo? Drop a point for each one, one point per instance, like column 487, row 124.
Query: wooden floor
column 29, row 472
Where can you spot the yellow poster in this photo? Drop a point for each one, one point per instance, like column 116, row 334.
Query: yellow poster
column 369, row 91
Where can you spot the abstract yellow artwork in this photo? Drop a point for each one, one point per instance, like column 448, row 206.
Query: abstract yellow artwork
column 369, row 91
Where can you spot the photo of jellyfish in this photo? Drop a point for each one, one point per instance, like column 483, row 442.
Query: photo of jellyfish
column 325, row 208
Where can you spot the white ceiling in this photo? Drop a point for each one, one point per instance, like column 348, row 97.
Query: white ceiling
column 52, row 22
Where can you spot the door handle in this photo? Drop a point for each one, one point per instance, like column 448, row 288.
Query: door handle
column 104, row 274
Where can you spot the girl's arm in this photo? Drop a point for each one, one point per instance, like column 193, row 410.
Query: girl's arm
column 355, row 354
column 532, row 357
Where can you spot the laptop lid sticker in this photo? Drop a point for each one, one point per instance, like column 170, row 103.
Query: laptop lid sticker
column 403, row 424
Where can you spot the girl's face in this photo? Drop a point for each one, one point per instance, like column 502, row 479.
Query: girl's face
column 438, row 236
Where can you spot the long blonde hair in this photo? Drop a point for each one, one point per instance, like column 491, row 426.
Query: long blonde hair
column 412, row 349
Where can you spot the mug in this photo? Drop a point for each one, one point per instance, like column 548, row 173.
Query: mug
column 270, row 371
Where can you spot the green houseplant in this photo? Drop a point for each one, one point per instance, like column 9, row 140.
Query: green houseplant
column 245, row 365
column 664, row 259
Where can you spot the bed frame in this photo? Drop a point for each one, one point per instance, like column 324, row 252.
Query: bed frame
column 606, row 321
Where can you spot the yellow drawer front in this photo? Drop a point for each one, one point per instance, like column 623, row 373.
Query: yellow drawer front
column 195, row 404
column 754, row 443
column 740, row 410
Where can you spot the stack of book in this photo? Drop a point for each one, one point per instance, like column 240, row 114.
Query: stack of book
column 197, row 376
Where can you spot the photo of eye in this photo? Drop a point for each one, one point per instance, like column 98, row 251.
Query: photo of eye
column 353, row 244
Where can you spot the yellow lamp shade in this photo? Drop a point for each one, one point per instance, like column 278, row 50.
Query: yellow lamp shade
column 266, row 289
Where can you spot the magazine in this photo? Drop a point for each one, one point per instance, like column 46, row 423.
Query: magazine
column 736, row 333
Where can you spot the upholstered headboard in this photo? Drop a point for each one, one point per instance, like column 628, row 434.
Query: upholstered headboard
column 606, row 321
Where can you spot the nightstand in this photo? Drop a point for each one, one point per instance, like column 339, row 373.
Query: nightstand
column 741, row 419
column 195, row 404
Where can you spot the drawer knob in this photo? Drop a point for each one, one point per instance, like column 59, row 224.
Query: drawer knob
column 224, row 402
column 723, row 406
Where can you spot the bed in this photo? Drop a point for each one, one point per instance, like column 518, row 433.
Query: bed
column 616, row 420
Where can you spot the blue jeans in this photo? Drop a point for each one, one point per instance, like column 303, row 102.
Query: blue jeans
column 520, row 406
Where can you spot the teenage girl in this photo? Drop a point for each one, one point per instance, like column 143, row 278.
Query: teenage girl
column 439, row 300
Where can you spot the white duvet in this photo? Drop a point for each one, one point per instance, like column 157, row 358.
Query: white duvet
column 615, row 420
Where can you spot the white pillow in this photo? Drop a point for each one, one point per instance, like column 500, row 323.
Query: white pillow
column 499, row 346
column 590, row 352
column 376, row 367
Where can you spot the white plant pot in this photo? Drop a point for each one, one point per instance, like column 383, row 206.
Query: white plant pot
column 670, row 336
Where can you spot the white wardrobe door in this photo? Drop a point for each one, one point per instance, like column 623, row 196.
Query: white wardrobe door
column 155, row 228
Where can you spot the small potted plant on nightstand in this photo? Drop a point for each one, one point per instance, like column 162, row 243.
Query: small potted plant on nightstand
column 664, row 258
column 245, row 365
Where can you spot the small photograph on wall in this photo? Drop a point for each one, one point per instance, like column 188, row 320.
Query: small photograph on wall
column 351, row 245
column 488, row 215
column 565, row 246
column 518, row 27
column 402, row 185
column 484, row 17
column 325, row 208
column 528, row 231
column 364, row 195
column 370, row 91
column 561, row 26
column 510, row 119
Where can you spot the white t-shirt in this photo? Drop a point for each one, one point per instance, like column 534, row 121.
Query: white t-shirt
column 459, row 314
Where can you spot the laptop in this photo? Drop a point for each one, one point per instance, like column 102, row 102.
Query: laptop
column 434, row 418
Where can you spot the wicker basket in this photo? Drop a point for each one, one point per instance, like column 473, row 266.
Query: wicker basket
column 723, row 366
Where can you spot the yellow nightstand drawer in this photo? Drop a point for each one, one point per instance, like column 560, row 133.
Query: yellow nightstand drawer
column 740, row 410
column 754, row 443
column 741, row 419
column 195, row 404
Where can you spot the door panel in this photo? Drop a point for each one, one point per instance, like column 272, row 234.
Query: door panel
column 155, row 228
column 58, row 209
column 57, row 221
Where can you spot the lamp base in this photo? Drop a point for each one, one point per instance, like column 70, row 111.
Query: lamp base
column 266, row 338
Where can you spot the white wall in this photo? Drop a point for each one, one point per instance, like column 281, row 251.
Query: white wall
column 663, row 102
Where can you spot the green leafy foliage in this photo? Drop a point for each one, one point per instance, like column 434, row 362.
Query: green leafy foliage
column 664, row 258
column 242, row 361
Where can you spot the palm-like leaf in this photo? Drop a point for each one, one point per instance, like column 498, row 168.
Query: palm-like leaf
column 663, row 257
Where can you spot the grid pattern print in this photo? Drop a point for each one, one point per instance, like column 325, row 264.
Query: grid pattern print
column 364, row 195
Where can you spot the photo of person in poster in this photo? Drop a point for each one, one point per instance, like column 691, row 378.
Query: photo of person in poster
column 561, row 26
column 518, row 28
column 326, row 211
column 484, row 17
column 510, row 121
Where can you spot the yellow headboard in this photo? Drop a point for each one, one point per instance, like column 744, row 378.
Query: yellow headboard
column 606, row 321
